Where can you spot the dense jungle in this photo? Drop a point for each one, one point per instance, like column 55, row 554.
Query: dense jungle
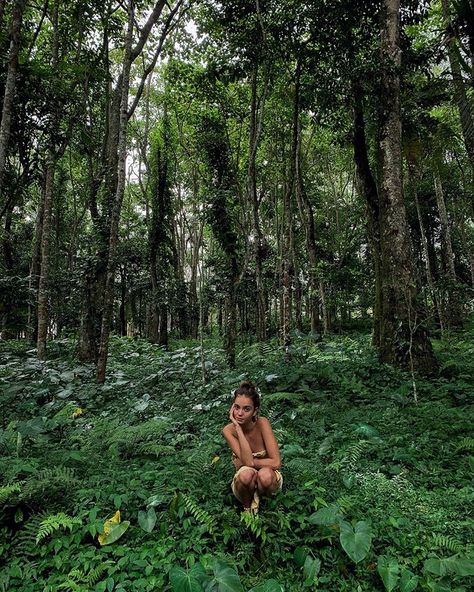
column 194, row 193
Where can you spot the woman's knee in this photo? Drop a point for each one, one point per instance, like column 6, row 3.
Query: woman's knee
column 266, row 478
column 246, row 478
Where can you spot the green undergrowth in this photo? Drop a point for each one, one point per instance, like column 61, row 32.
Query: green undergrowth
column 377, row 488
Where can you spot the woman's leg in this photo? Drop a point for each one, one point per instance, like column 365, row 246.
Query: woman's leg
column 267, row 482
column 244, row 485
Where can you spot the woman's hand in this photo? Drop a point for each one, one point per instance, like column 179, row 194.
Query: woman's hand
column 234, row 422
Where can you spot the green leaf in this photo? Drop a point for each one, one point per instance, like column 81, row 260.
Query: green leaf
column 366, row 430
column 349, row 481
column 300, row 555
column 311, row 569
column 291, row 451
column 460, row 566
column 408, row 581
column 226, row 578
column 388, row 571
column 268, row 586
column 438, row 586
column 328, row 515
column 435, row 566
column 147, row 520
column 356, row 542
column 187, row 580
column 116, row 531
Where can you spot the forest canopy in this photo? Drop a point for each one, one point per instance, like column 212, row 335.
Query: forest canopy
column 251, row 168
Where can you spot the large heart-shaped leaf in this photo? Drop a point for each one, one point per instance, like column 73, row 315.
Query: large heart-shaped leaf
column 300, row 555
column 436, row 566
column 388, row 570
column 438, row 586
column 115, row 532
column 325, row 516
column 183, row 580
column 225, row 579
column 268, row 586
column 356, row 541
column 408, row 581
column 310, row 570
column 460, row 566
column 147, row 520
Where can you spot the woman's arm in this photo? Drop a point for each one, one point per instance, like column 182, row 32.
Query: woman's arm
column 238, row 442
column 273, row 459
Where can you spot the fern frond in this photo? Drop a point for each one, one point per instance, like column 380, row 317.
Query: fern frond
column 354, row 453
column 154, row 449
column 26, row 538
column 79, row 581
column 199, row 514
column 284, row 397
column 180, row 438
column 94, row 576
column 55, row 522
column 253, row 523
column 72, row 586
column 126, row 439
column 465, row 444
column 197, row 471
column 442, row 541
column 345, row 502
column 8, row 491
column 49, row 483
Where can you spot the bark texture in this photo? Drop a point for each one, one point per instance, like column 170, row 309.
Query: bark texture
column 403, row 338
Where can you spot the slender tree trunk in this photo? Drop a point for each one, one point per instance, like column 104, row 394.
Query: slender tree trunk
column 53, row 155
column 368, row 188
column 425, row 251
column 116, row 210
column 287, row 239
column 256, row 116
column 454, row 313
column 43, row 292
column 10, row 84
column 464, row 102
column 307, row 220
column 403, row 338
column 130, row 54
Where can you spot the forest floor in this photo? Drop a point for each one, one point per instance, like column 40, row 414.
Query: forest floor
column 378, row 491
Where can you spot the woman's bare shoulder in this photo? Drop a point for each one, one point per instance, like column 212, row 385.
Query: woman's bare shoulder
column 228, row 429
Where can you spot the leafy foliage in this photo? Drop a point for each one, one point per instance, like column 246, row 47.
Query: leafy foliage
column 377, row 490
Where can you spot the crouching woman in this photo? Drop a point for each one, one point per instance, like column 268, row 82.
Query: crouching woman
column 255, row 451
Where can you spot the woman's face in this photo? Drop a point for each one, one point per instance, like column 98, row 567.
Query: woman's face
column 244, row 409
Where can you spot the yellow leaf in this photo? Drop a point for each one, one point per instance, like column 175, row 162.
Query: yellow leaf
column 77, row 412
column 215, row 460
column 108, row 525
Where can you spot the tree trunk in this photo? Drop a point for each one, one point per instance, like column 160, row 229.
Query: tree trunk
column 130, row 55
column 368, row 188
column 117, row 207
column 464, row 102
column 287, row 225
column 425, row 251
column 453, row 306
column 10, row 84
column 256, row 117
column 307, row 220
column 43, row 292
column 403, row 338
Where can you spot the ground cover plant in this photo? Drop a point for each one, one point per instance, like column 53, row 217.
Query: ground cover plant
column 125, row 486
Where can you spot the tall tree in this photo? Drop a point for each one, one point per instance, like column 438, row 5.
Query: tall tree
column 10, row 83
column 403, row 337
